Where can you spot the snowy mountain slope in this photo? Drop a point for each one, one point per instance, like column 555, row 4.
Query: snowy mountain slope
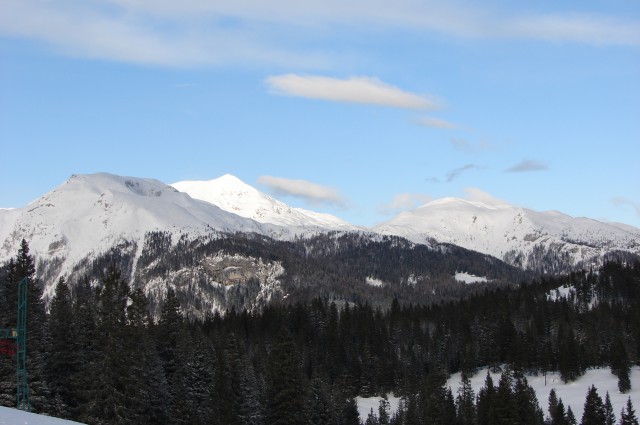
column 92, row 213
column 233, row 195
column 522, row 237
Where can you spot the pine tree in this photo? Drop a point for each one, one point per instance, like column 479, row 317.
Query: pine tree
column 571, row 418
column 505, row 409
column 285, row 388
column 593, row 409
column 84, row 348
column 383, row 411
column 553, row 406
column 527, row 407
column 372, row 419
column 319, row 410
column 110, row 387
column 61, row 364
column 486, row 405
column 609, row 415
column 620, row 365
column 628, row 417
column 465, row 407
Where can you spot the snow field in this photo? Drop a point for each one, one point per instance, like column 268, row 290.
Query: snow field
column 572, row 394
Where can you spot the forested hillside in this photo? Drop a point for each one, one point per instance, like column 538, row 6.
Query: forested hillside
column 99, row 356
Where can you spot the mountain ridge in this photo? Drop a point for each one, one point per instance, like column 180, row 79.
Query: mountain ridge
column 93, row 213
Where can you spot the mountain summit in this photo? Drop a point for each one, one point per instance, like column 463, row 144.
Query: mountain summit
column 235, row 196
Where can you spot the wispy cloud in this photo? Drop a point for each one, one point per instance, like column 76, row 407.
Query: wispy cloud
column 467, row 146
column 404, row 201
column 478, row 195
column 454, row 174
column 433, row 122
column 202, row 32
column 527, row 165
column 366, row 90
column 310, row 192
column 621, row 201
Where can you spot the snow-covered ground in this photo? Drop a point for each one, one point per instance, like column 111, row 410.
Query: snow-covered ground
column 468, row 278
column 572, row 394
column 10, row 416
column 365, row 404
column 374, row 282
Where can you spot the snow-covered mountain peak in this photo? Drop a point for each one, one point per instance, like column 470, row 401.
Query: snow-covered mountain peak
column 233, row 195
column 520, row 236
column 459, row 203
column 93, row 212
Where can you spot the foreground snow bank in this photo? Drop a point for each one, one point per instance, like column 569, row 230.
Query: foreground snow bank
column 9, row 416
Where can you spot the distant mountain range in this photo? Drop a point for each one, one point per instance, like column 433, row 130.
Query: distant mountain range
column 543, row 241
column 89, row 215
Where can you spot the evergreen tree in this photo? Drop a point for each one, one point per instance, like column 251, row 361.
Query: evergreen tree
column 505, row 407
column 486, row 405
column 620, row 365
column 628, row 417
column 285, row 388
column 571, row 418
column 383, row 411
column 319, row 409
column 84, row 348
column 609, row 415
column 465, row 406
column 110, row 386
column 593, row 409
column 61, row 364
column 553, row 406
column 527, row 407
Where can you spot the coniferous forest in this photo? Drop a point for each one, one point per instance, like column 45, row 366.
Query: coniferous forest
column 98, row 355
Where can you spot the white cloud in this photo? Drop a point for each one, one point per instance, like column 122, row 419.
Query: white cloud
column 404, row 201
column 478, row 195
column 355, row 90
column 436, row 123
column 311, row 192
column 210, row 32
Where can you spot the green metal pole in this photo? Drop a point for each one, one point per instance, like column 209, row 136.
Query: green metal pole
column 23, row 400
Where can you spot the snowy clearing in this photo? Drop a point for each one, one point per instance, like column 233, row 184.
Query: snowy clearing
column 9, row 416
column 374, row 282
column 365, row 404
column 573, row 393
column 469, row 278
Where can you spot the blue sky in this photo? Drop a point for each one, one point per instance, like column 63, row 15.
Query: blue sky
column 360, row 108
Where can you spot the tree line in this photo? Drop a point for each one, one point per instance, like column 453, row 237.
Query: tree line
column 100, row 356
